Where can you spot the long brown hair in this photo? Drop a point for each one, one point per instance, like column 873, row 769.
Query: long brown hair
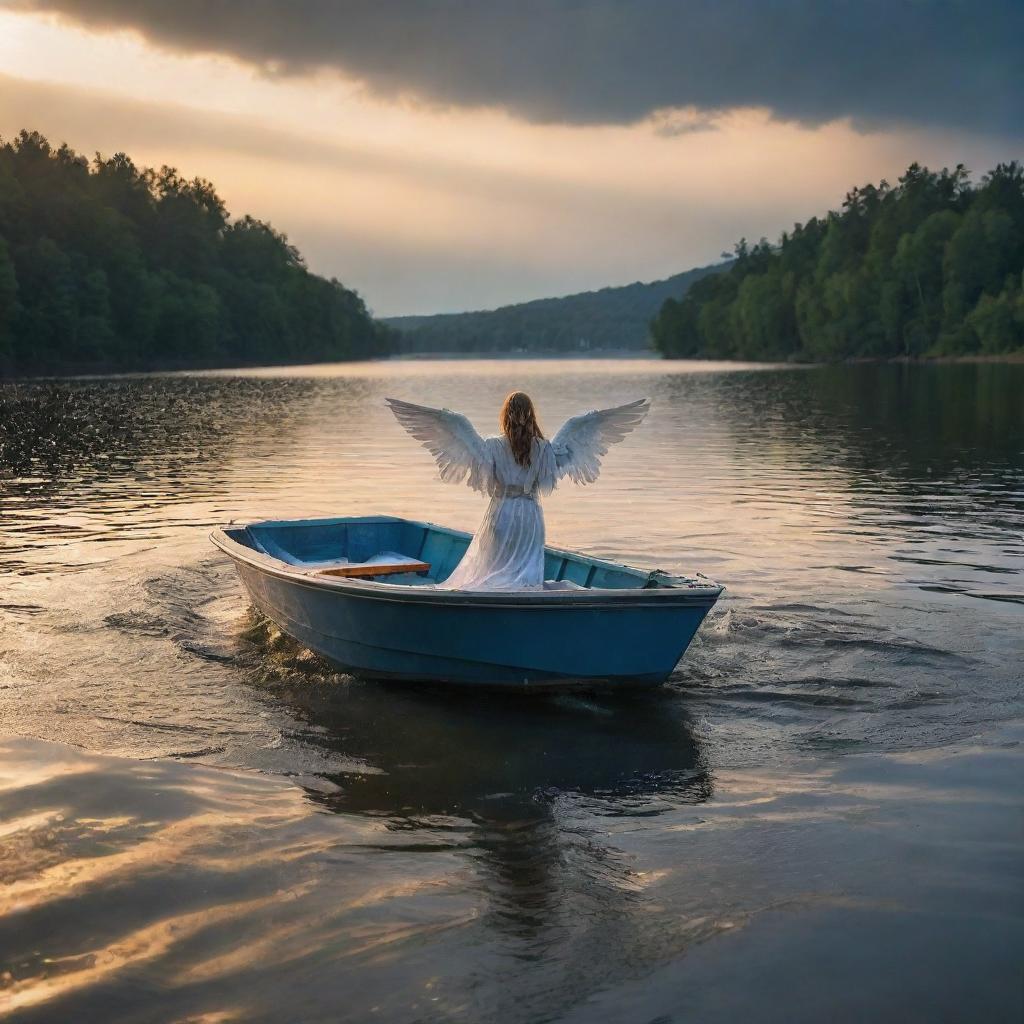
column 518, row 420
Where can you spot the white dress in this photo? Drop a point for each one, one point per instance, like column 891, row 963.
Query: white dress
column 507, row 552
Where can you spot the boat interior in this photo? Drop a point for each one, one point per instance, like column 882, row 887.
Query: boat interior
column 389, row 550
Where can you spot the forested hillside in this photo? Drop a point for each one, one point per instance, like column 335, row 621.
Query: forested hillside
column 612, row 318
column 930, row 266
column 105, row 265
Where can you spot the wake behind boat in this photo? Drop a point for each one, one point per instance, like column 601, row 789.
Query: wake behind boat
column 361, row 591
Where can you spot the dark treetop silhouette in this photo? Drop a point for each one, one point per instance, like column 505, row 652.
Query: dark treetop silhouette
column 105, row 266
column 930, row 266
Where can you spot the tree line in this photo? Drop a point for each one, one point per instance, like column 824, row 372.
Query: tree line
column 613, row 318
column 933, row 265
column 104, row 265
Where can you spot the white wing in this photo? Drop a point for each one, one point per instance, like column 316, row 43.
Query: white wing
column 457, row 448
column 582, row 442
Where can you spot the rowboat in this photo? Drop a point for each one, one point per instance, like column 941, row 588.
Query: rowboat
column 361, row 592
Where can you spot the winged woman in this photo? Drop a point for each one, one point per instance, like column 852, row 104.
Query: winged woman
column 515, row 468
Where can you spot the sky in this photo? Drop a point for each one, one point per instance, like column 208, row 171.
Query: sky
column 443, row 155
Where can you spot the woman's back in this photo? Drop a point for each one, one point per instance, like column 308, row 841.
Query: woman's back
column 510, row 473
column 515, row 469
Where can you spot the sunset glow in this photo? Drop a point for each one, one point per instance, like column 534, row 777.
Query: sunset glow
column 424, row 207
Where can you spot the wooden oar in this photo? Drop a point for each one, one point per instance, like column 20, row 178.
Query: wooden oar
column 374, row 570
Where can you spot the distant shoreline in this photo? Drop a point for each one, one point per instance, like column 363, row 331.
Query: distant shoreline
column 623, row 353
column 1003, row 357
column 85, row 373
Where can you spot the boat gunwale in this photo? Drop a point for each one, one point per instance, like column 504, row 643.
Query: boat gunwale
column 666, row 591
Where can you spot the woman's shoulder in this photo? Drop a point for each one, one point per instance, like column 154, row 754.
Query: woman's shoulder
column 495, row 445
column 498, row 444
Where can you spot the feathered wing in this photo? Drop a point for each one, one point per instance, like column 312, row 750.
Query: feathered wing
column 459, row 451
column 584, row 440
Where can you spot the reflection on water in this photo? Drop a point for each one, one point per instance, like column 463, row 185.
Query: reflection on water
column 422, row 855
column 160, row 891
column 510, row 790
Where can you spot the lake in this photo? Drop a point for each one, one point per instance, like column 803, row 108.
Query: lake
column 819, row 817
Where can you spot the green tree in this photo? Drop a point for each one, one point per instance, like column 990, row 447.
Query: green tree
column 8, row 305
column 930, row 265
column 103, row 264
column 998, row 320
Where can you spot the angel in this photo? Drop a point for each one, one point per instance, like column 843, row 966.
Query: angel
column 515, row 468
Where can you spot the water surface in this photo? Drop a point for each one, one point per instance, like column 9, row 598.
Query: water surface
column 824, row 801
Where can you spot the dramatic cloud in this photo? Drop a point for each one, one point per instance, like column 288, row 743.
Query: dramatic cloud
column 432, row 206
column 933, row 63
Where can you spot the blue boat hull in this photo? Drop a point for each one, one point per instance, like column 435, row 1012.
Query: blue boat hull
column 624, row 638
